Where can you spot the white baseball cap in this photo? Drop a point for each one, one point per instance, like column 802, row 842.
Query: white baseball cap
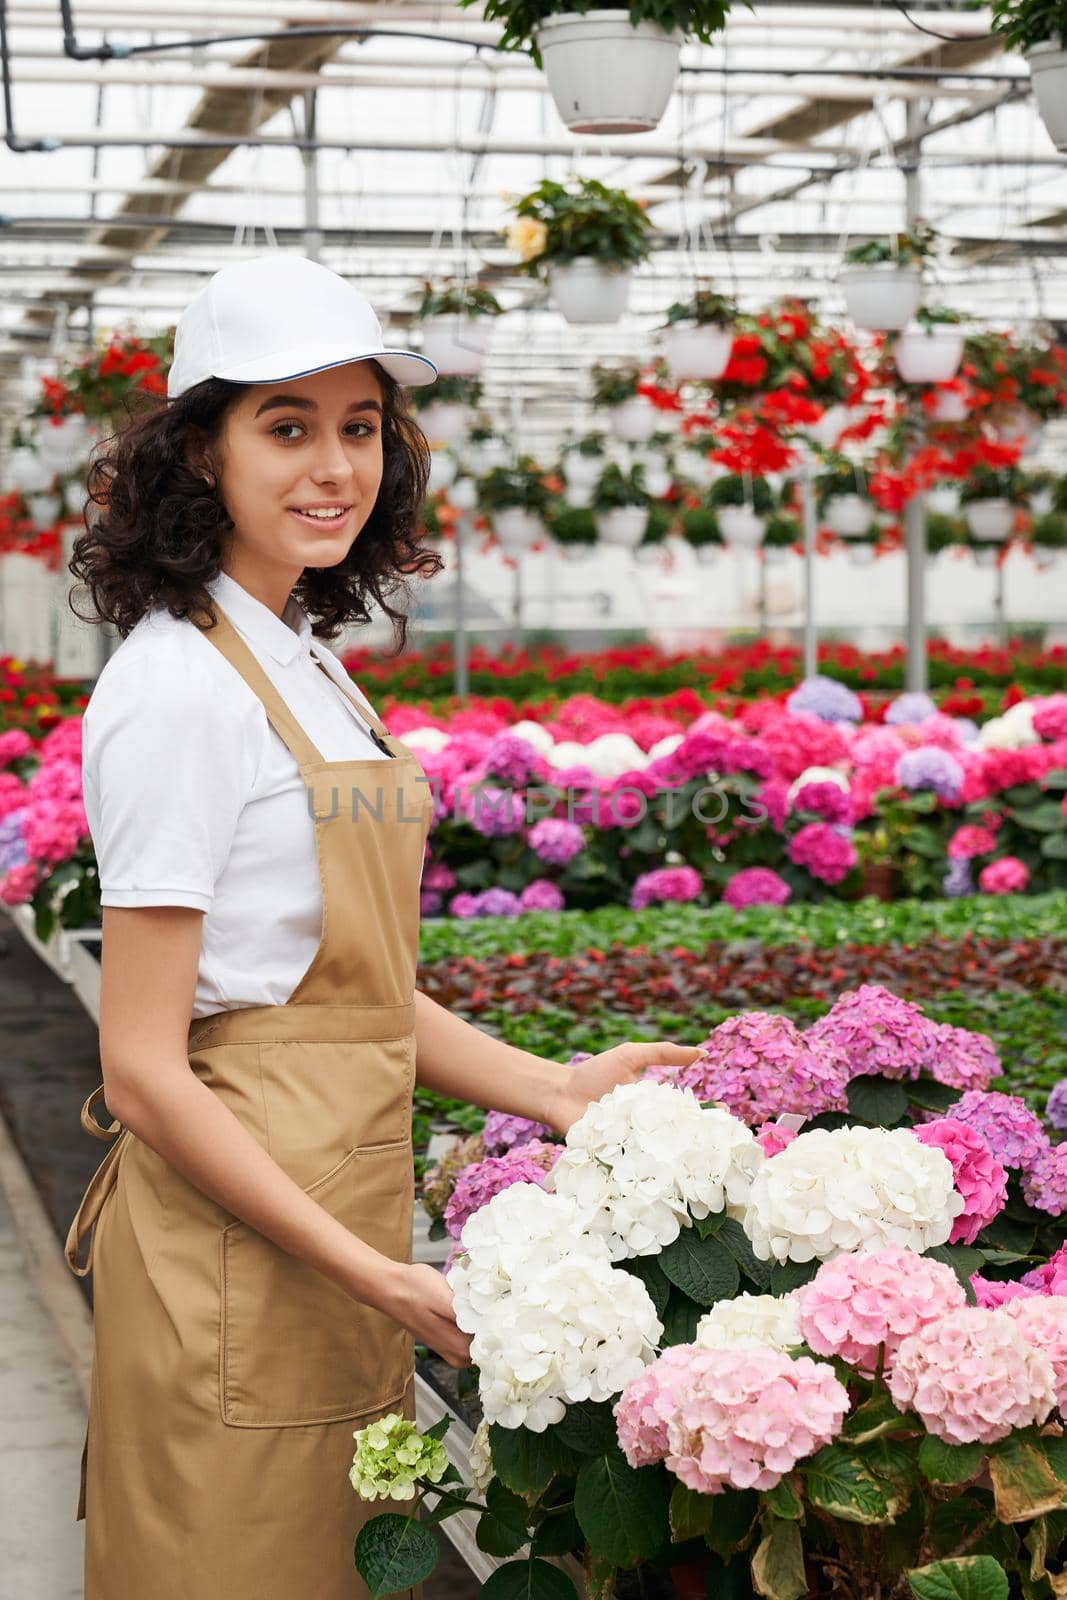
column 278, row 317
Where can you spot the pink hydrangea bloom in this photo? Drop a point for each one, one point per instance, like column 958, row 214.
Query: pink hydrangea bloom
column 1009, row 875
column 774, row 1137
column 1050, row 1278
column 879, row 1033
column 438, row 875
column 1006, row 1123
column 973, row 1378
column 827, row 800
column 648, row 1402
column 18, row 884
column 542, row 895
column 492, row 811
column 976, row 1172
column 665, row 883
column 965, row 1059
column 476, row 1185
column 1042, row 1321
column 1045, row 1181
column 13, row 794
column 857, row 1303
column 969, row 841
column 463, row 905
column 756, row 886
column 1050, row 717
column 514, row 761
column 555, row 840
column 773, row 796
column 990, row 1294
column 430, row 902
column 14, row 745
column 827, row 854
column 504, row 1132
column 758, row 1065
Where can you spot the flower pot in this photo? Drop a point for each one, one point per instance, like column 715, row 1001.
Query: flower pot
column 693, row 464
column 741, row 527
column 443, row 470
column 464, row 494
column 588, row 290
column 949, row 406
column 582, row 472
column 885, row 295
column 605, row 75
column 707, row 554
column 456, row 345
column 985, row 557
column 44, row 509
column 517, row 530
column 880, row 881
column 827, row 431
column 623, row 526
column 578, row 496
column 990, row 519
column 861, row 555
column 444, row 421
column 944, row 500
column 933, row 356
column 696, row 350
column 1048, row 74
column 848, row 515
column 576, row 552
column 486, row 454
column 64, row 445
column 28, row 472
column 776, row 555
column 634, row 420
column 1021, row 424
column 1041, row 502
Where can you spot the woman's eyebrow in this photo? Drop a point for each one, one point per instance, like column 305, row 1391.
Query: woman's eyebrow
column 297, row 402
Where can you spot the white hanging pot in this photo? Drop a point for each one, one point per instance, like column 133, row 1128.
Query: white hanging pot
column 623, row 526
column 582, row 472
column 990, row 519
column 28, row 472
column 444, row 421
column 944, row 500
column 1021, row 424
column 516, row 529
column 634, row 420
column 1041, row 502
column 588, row 290
column 928, row 356
column 861, row 555
column 884, row 295
column 707, row 554
column 741, row 527
column 848, row 515
column 1044, row 558
column 579, row 496
column 64, row 444
column 605, row 75
column 827, row 431
column 776, row 555
column 486, row 454
column 576, row 552
column 698, row 467
column 949, row 406
column 1048, row 74
column 985, row 557
column 44, row 509
column 464, row 494
column 696, row 350
column 646, row 555
column 658, row 482
column 443, row 469
column 456, row 344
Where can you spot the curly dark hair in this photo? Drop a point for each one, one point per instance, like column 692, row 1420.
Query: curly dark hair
column 154, row 524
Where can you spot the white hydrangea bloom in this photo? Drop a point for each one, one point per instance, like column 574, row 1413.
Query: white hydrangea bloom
column 642, row 1160
column 851, row 1189
column 428, row 738
column 534, row 733
column 1011, row 731
column 751, row 1321
column 665, row 746
column 576, row 1329
column 480, row 1460
column 817, row 775
column 522, row 1223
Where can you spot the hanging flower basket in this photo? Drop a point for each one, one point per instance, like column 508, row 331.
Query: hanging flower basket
column 444, row 421
column 985, row 555
column 928, row 355
column 848, row 515
column 883, row 294
column 1048, row 74
column 28, row 472
column 949, row 405
column 944, row 500
column 588, row 290
column 606, row 75
column 990, row 520
column 517, row 530
column 741, row 527
column 635, row 420
column 63, row 445
column 697, row 350
column 443, row 470
column 861, row 554
column 622, row 526
column 457, row 345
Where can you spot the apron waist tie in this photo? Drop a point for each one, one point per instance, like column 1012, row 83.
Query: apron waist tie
column 100, row 1186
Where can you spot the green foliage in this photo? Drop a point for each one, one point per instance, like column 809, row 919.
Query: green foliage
column 901, row 249
column 521, row 485
column 735, row 489
column 449, row 389
column 699, row 526
column 586, row 218
column 993, row 483
column 1024, row 23
column 571, row 524
column 1050, row 531
column 463, row 299
column 528, row 1580
column 614, row 385
column 615, row 488
column 704, row 308
column 949, row 1463
column 703, row 19
column 967, row 1578
column 393, row 1553
column 931, row 317
column 703, row 1269
column 622, row 1511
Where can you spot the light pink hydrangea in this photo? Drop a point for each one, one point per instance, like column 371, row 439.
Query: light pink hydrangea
column 976, row 1172
column 756, row 886
column 969, row 841
column 476, row 1185
column 827, row 854
column 1009, row 875
column 1006, row 1123
column 1042, row 1321
column 1050, row 717
column 724, row 1419
column 973, row 1378
column 857, row 1303
column 759, row 1065
column 1045, row 1181
column 18, row 884
column 965, row 1059
column 878, row 1032
column 677, row 884
column 990, row 1294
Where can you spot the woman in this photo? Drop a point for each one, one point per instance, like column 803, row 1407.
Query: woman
column 260, row 838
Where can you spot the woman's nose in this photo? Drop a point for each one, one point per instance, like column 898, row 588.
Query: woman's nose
column 331, row 463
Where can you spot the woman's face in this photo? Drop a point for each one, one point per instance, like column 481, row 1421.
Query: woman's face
column 299, row 469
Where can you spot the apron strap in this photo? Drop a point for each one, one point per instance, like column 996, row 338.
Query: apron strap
column 100, row 1186
column 89, row 1122
column 375, row 730
column 228, row 641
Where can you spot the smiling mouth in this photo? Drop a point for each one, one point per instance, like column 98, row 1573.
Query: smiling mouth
column 321, row 516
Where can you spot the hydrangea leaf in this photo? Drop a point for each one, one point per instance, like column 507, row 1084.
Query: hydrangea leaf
column 736, row 1240
column 784, row 1501
column 528, row 1580
column 966, row 1578
column 880, row 1101
column 690, row 1513
column 621, row 1510
column 526, row 1461
column 1024, row 1484
column 840, row 1483
column 778, row 1565
column 588, row 1427
column 394, row 1552
column 949, row 1463
column 703, row 1269
column 869, row 1421
column 732, row 1516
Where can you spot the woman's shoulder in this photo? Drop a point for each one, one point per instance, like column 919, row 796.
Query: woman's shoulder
column 166, row 663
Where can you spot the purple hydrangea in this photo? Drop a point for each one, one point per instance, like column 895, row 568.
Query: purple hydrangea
column 1056, row 1108
column 665, row 883
column 756, row 886
column 463, row 905
column 13, row 852
column 930, row 767
column 504, row 1132
column 1045, row 1182
column 760, row 1065
column 827, row 699
column 438, row 875
column 556, row 840
column 878, row 1032
column 430, row 902
column 514, row 761
column 965, row 1059
column 958, row 881
column 967, row 729
column 498, row 903
column 1006, row 1123
column 476, row 1185
column 827, row 854
column 494, row 812
column 827, row 800
column 542, row 895
column 909, row 709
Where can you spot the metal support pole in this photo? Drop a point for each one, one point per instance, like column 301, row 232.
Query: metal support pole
column 810, row 528
column 310, row 157
column 460, row 672
column 917, row 112
column 762, row 559
column 516, row 599
column 999, row 601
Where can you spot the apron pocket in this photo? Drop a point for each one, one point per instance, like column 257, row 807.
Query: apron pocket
column 294, row 1348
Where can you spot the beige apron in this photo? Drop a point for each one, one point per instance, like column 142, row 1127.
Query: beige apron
column 229, row 1375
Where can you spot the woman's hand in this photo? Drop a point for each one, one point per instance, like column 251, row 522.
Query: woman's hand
column 421, row 1301
column 593, row 1079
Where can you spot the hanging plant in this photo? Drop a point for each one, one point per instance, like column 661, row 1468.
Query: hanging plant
column 697, row 339
column 699, row 527
column 882, row 279
column 455, row 319
column 585, row 239
column 931, row 350
column 1038, row 28
column 515, row 498
column 621, row 505
column 574, row 530
column 944, row 532
column 990, row 499
column 742, row 505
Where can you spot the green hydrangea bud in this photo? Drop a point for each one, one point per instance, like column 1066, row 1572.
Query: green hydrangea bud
column 392, row 1457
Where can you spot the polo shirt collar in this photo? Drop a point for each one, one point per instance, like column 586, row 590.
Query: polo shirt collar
column 285, row 637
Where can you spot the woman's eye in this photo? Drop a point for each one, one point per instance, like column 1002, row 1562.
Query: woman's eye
column 279, row 431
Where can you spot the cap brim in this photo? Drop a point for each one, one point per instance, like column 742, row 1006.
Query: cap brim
column 404, row 365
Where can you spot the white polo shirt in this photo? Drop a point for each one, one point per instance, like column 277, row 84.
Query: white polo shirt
column 193, row 799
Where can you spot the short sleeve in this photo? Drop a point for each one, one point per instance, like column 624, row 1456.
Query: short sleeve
column 168, row 765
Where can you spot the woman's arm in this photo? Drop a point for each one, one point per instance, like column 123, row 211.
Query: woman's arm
column 148, row 983
column 455, row 1058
